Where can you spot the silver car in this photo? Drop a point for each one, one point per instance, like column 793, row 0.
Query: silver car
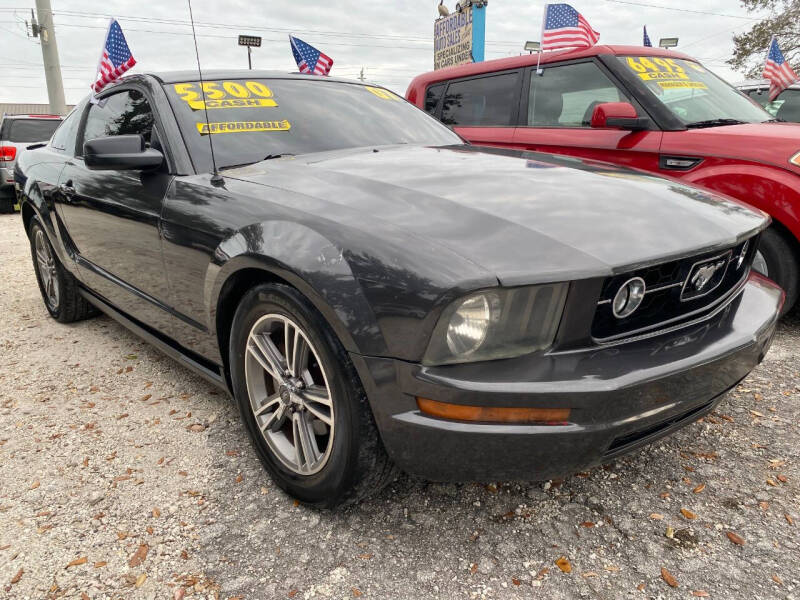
column 16, row 133
column 785, row 107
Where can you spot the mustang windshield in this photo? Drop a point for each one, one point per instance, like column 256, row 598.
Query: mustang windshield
column 254, row 119
column 693, row 93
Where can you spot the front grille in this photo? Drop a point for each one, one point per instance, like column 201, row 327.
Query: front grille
column 671, row 297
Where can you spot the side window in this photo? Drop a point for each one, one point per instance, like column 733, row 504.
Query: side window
column 483, row 102
column 64, row 137
column 125, row 113
column 565, row 96
column 432, row 96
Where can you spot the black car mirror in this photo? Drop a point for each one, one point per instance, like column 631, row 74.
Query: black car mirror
column 120, row 153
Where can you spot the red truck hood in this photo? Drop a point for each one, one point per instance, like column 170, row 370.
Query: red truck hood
column 773, row 143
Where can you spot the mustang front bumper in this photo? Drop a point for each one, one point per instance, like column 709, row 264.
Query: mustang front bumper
column 620, row 397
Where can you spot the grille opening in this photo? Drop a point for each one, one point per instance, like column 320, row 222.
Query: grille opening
column 630, row 439
column 667, row 300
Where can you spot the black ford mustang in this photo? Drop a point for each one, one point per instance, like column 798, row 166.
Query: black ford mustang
column 374, row 292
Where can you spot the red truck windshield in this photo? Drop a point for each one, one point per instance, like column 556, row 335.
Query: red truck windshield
column 693, row 93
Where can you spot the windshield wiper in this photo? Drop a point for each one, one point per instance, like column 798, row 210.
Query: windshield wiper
column 714, row 123
column 267, row 157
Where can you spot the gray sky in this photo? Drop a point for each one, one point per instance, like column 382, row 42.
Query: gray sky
column 392, row 40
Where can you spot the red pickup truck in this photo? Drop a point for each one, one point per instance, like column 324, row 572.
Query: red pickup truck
column 645, row 108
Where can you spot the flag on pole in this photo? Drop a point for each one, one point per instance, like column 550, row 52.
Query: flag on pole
column 778, row 71
column 115, row 59
column 309, row 59
column 565, row 27
column 647, row 41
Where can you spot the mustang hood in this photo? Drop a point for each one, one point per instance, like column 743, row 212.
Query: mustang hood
column 525, row 217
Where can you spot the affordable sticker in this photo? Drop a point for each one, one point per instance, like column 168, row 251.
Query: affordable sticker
column 225, row 94
column 242, row 126
column 381, row 93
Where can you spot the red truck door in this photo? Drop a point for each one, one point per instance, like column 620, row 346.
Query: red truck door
column 556, row 109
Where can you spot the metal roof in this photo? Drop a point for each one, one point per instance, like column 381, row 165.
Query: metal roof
column 12, row 108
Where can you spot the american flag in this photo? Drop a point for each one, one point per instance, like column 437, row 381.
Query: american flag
column 647, row 41
column 309, row 59
column 778, row 71
column 116, row 59
column 565, row 27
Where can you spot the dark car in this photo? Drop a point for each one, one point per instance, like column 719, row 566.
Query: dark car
column 785, row 107
column 373, row 292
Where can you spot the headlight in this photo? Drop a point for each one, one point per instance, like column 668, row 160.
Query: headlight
column 499, row 323
column 795, row 160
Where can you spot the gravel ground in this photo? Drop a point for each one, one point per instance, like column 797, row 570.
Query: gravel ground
column 123, row 475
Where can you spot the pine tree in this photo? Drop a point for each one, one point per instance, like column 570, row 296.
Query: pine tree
column 751, row 47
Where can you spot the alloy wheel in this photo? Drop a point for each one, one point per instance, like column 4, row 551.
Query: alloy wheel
column 47, row 270
column 289, row 394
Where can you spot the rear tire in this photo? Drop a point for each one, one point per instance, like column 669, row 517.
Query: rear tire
column 781, row 258
column 7, row 202
column 349, row 460
column 58, row 286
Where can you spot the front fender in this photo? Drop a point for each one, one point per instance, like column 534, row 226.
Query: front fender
column 311, row 263
column 773, row 190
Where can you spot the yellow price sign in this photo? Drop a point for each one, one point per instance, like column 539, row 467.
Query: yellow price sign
column 656, row 68
column 242, row 126
column 381, row 93
column 225, row 94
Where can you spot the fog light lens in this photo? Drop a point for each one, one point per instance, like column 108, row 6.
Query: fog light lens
column 469, row 324
column 628, row 298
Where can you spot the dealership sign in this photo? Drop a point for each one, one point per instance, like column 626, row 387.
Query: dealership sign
column 459, row 38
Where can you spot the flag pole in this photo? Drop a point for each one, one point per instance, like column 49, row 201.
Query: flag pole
column 541, row 41
column 93, row 99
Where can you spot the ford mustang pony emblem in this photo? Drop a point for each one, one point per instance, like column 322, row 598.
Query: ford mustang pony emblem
column 705, row 277
column 705, row 274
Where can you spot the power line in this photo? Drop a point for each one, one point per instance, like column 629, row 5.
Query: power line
column 686, row 10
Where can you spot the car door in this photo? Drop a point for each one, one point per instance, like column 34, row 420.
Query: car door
column 482, row 109
column 556, row 110
column 113, row 216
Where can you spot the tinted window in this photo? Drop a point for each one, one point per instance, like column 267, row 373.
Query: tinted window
column 29, row 130
column 565, row 96
column 788, row 106
column 64, row 137
column 432, row 96
column 483, row 102
column 251, row 119
column 125, row 113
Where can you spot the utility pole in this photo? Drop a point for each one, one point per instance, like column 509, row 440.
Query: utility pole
column 52, row 66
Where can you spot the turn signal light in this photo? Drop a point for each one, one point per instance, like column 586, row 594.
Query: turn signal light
column 8, row 152
column 493, row 414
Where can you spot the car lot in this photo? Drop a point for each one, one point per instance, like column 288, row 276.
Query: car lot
column 124, row 475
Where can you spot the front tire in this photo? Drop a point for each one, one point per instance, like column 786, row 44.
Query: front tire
column 302, row 402
column 779, row 258
column 58, row 286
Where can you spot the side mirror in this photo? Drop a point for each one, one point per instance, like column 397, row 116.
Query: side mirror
column 120, row 153
column 618, row 115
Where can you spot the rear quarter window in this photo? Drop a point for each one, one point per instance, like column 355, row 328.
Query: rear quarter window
column 432, row 96
column 482, row 102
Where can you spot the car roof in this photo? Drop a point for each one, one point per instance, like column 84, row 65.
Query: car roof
column 216, row 74
column 531, row 60
column 32, row 117
column 762, row 83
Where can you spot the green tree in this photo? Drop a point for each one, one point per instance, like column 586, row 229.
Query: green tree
column 750, row 49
